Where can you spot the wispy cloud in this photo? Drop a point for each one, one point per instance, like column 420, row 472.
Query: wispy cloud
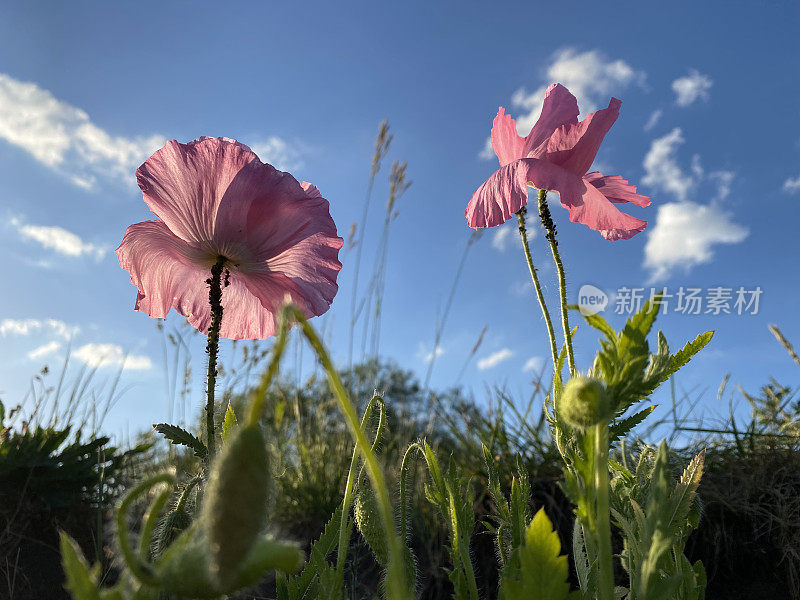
column 534, row 363
column 279, row 153
column 494, row 359
column 792, row 185
column 655, row 117
column 661, row 166
column 426, row 354
column 108, row 355
column 64, row 138
column 29, row 326
column 504, row 234
column 690, row 88
column 44, row 350
column 59, row 240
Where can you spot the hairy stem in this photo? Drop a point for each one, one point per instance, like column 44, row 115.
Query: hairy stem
column 550, row 234
column 349, row 494
column 537, row 286
column 602, row 520
column 212, row 348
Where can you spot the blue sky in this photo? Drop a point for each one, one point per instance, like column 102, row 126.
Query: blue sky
column 709, row 128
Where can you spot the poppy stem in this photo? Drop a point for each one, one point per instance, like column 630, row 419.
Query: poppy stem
column 537, row 286
column 550, row 234
column 212, row 347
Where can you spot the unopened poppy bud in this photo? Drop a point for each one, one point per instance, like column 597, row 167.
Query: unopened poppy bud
column 369, row 523
column 235, row 508
column 584, row 402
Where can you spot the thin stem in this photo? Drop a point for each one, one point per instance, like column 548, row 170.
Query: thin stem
column 602, row 521
column 550, row 234
column 212, row 347
column 537, row 286
column 349, row 493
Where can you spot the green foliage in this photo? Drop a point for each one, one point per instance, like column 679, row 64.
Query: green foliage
column 543, row 570
column 450, row 492
column 656, row 518
column 228, row 423
column 81, row 582
column 178, row 435
column 631, row 372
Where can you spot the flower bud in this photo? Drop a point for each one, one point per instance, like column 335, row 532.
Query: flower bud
column 235, row 506
column 368, row 520
column 584, row 402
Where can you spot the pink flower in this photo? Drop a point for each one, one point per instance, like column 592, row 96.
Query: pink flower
column 214, row 198
column 556, row 155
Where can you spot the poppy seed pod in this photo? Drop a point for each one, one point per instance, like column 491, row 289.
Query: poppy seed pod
column 235, row 508
column 584, row 402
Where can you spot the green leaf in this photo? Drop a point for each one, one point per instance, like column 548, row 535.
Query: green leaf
column 681, row 498
column 622, row 427
column 683, row 355
column 543, row 569
column 178, row 435
column 228, row 423
column 598, row 322
column 80, row 579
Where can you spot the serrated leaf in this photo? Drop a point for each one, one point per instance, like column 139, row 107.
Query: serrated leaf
column 80, row 580
column 685, row 490
column 622, row 427
column 228, row 423
column 543, row 569
column 178, row 435
column 598, row 322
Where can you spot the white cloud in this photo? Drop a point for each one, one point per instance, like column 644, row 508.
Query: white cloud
column 44, row 350
column 691, row 87
column 63, row 137
column 655, row 117
column 503, row 234
column 487, row 153
column 684, row 235
column 28, row 326
column 590, row 76
column 104, row 355
column 60, row 240
column 494, row 359
column 661, row 166
column 427, row 355
column 279, row 153
column 534, row 363
column 792, row 185
column 723, row 181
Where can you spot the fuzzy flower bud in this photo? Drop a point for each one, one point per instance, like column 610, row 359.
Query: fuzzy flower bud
column 584, row 402
column 235, row 507
column 369, row 523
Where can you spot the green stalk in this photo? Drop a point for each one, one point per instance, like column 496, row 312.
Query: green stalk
column 605, row 586
column 212, row 348
column 140, row 569
column 396, row 584
column 550, row 234
column 537, row 286
column 349, row 489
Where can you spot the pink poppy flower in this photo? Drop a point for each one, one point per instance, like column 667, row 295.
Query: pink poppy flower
column 214, row 198
column 556, row 155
